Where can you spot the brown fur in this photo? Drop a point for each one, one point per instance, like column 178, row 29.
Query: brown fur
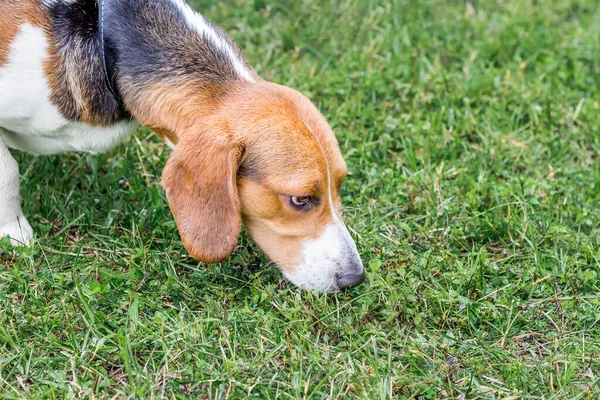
column 172, row 108
column 12, row 15
column 200, row 179
column 68, row 92
column 9, row 26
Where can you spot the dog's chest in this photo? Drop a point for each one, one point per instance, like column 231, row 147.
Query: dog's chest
column 28, row 119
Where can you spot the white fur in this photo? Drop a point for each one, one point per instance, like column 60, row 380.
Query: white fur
column 18, row 230
column 31, row 122
column 333, row 253
column 319, row 268
column 169, row 143
column 200, row 24
column 12, row 221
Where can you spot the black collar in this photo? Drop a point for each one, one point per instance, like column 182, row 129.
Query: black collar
column 107, row 54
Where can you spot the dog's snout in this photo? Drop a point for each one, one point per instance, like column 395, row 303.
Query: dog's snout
column 349, row 280
column 331, row 262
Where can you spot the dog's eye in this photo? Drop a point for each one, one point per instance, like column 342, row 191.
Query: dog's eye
column 303, row 203
column 300, row 201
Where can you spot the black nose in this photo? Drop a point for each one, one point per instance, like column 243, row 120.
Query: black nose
column 346, row 281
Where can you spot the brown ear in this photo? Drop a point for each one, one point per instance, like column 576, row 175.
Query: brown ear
column 200, row 180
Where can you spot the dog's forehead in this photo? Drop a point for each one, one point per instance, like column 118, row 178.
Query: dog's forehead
column 294, row 168
column 324, row 136
column 286, row 136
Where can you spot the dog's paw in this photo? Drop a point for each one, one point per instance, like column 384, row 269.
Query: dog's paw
column 19, row 231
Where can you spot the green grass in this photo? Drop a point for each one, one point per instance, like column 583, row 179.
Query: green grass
column 472, row 137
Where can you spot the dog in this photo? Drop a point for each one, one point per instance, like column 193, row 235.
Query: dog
column 81, row 75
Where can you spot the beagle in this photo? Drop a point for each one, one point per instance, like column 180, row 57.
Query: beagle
column 80, row 75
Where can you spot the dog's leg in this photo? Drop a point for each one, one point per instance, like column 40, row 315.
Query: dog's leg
column 12, row 221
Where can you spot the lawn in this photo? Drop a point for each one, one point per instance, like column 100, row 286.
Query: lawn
column 472, row 138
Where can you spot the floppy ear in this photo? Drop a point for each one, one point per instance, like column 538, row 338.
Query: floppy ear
column 200, row 180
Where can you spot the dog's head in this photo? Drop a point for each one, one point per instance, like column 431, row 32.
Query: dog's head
column 266, row 157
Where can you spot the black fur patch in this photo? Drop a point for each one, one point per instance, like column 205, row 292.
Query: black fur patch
column 152, row 41
column 80, row 91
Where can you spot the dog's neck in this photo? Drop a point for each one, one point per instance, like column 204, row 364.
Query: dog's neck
column 163, row 62
column 172, row 66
